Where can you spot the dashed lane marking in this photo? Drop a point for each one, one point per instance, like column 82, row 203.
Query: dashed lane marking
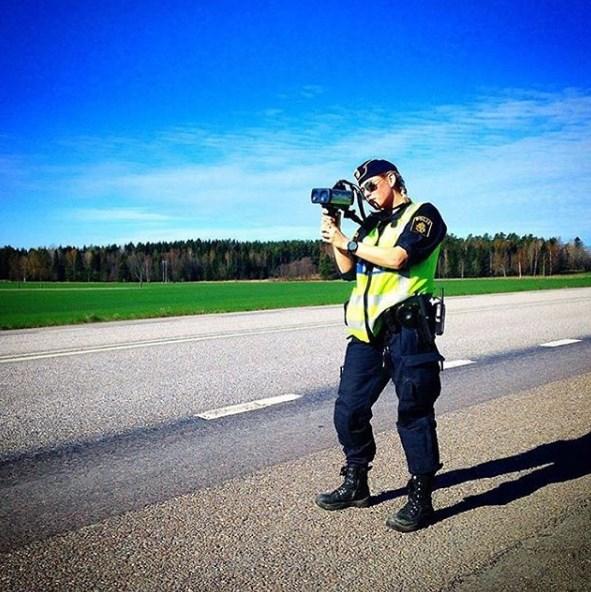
column 261, row 403
column 243, row 407
column 457, row 363
column 560, row 342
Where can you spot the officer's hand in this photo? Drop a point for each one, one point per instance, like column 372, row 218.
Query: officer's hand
column 331, row 233
column 335, row 216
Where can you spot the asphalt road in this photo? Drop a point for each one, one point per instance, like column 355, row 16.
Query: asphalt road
column 101, row 420
column 82, row 383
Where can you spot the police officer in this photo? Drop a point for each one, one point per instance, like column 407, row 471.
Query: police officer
column 390, row 324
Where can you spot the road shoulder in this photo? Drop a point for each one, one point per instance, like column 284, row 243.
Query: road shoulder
column 512, row 467
column 556, row 558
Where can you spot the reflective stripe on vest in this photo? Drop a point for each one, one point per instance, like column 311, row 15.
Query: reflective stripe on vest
column 378, row 288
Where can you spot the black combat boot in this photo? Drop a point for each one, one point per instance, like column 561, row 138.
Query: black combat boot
column 418, row 510
column 353, row 492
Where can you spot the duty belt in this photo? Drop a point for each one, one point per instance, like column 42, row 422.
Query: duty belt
column 416, row 312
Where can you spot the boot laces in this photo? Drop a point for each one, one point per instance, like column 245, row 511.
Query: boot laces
column 353, row 472
column 352, row 475
column 418, row 495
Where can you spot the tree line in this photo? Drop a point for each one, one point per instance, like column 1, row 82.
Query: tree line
column 202, row 260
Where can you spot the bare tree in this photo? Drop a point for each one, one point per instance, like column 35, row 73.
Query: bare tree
column 136, row 265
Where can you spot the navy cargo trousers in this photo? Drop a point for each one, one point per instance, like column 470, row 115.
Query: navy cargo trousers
column 414, row 368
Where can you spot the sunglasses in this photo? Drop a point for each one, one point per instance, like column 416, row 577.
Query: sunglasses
column 371, row 186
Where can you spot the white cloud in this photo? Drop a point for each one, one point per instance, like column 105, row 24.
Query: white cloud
column 310, row 91
column 115, row 215
column 512, row 162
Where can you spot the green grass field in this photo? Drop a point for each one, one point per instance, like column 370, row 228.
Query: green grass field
column 42, row 304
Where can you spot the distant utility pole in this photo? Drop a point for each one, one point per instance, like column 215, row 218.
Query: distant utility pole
column 164, row 271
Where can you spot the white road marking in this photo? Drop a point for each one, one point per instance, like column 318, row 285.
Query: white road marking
column 457, row 363
column 559, row 342
column 6, row 359
column 243, row 407
column 260, row 403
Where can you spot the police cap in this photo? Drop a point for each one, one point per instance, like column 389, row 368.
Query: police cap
column 371, row 168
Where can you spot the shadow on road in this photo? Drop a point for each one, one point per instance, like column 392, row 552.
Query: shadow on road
column 554, row 462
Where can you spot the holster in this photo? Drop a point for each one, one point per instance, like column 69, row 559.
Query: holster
column 417, row 313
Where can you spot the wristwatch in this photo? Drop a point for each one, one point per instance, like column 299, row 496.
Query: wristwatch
column 352, row 247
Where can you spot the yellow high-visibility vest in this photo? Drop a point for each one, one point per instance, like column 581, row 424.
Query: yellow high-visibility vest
column 379, row 288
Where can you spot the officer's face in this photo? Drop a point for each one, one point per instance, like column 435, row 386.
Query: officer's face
column 378, row 192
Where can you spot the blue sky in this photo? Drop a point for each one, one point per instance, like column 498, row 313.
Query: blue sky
column 142, row 121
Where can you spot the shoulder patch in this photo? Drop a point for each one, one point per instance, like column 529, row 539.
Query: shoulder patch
column 422, row 225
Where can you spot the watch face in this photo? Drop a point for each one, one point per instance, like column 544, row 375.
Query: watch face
column 352, row 246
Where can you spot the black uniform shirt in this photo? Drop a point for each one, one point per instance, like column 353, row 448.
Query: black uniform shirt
column 425, row 230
